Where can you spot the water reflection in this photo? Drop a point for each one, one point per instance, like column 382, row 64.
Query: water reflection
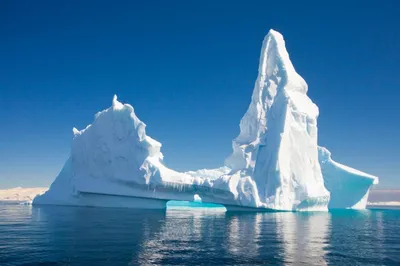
column 244, row 235
column 304, row 236
column 184, row 236
column 95, row 236
column 102, row 236
column 252, row 238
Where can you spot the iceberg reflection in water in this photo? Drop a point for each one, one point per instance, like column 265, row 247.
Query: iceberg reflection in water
column 108, row 236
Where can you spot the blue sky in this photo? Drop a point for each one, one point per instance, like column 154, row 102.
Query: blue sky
column 188, row 68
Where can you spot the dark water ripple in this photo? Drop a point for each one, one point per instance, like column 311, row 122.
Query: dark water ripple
column 100, row 236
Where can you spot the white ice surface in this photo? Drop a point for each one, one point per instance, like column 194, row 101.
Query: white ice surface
column 274, row 164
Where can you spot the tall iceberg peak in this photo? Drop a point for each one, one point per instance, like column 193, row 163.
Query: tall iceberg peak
column 276, row 75
column 277, row 143
column 275, row 63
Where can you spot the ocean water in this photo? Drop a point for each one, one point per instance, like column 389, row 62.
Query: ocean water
column 55, row 235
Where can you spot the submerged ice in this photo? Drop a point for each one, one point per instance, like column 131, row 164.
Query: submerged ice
column 275, row 164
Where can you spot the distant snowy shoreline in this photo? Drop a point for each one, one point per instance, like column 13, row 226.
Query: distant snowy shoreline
column 384, row 203
column 19, row 195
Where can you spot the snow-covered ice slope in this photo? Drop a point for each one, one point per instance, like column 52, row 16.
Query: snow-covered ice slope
column 349, row 187
column 275, row 162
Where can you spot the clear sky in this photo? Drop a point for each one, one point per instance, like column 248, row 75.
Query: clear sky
column 188, row 68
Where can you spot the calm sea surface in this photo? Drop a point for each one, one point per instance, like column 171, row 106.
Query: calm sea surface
column 102, row 236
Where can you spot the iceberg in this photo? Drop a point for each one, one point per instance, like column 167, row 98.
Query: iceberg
column 276, row 163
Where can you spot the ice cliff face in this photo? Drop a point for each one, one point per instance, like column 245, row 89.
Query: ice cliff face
column 275, row 163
